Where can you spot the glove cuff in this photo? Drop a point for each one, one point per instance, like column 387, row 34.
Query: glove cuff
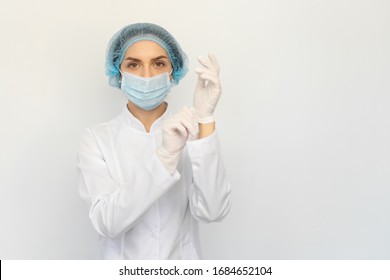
column 202, row 118
column 205, row 120
column 169, row 160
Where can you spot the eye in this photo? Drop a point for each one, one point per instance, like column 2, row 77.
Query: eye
column 160, row 64
column 132, row 65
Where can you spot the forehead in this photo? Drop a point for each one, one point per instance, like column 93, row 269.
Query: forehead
column 145, row 50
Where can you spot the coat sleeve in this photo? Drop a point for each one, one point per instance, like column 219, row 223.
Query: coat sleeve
column 210, row 192
column 114, row 208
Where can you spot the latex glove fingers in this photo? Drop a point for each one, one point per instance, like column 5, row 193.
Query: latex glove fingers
column 187, row 120
column 207, row 76
column 208, row 89
column 173, row 127
column 176, row 130
column 210, row 63
column 182, row 123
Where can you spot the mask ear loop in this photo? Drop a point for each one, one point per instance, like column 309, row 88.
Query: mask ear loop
column 170, row 75
column 120, row 78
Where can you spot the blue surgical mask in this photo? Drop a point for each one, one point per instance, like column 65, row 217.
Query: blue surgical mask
column 146, row 93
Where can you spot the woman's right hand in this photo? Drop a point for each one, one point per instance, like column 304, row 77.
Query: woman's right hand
column 176, row 130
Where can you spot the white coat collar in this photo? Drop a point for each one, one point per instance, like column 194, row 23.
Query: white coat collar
column 135, row 123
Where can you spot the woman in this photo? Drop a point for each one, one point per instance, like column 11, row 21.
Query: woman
column 149, row 177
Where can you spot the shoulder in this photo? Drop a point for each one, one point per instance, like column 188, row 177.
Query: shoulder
column 103, row 130
column 107, row 126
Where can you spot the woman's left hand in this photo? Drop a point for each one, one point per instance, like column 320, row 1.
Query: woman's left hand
column 208, row 89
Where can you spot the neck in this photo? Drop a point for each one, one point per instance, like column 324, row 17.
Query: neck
column 147, row 118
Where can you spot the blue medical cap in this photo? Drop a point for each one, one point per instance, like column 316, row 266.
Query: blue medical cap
column 133, row 33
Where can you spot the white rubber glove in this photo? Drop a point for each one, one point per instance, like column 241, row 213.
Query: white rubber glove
column 208, row 89
column 176, row 130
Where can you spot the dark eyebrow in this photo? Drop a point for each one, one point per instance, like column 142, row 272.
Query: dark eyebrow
column 132, row 58
column 160, row 57
column 138, row 60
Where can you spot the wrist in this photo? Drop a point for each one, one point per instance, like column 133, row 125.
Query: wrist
column 168, row 159
column 206, row 129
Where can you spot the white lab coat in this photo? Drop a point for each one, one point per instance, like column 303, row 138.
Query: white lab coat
column 139, row 210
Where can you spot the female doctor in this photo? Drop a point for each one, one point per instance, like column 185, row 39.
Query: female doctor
column 149, row 176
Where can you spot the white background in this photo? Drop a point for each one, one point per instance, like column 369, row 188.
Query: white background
column 303, row 121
